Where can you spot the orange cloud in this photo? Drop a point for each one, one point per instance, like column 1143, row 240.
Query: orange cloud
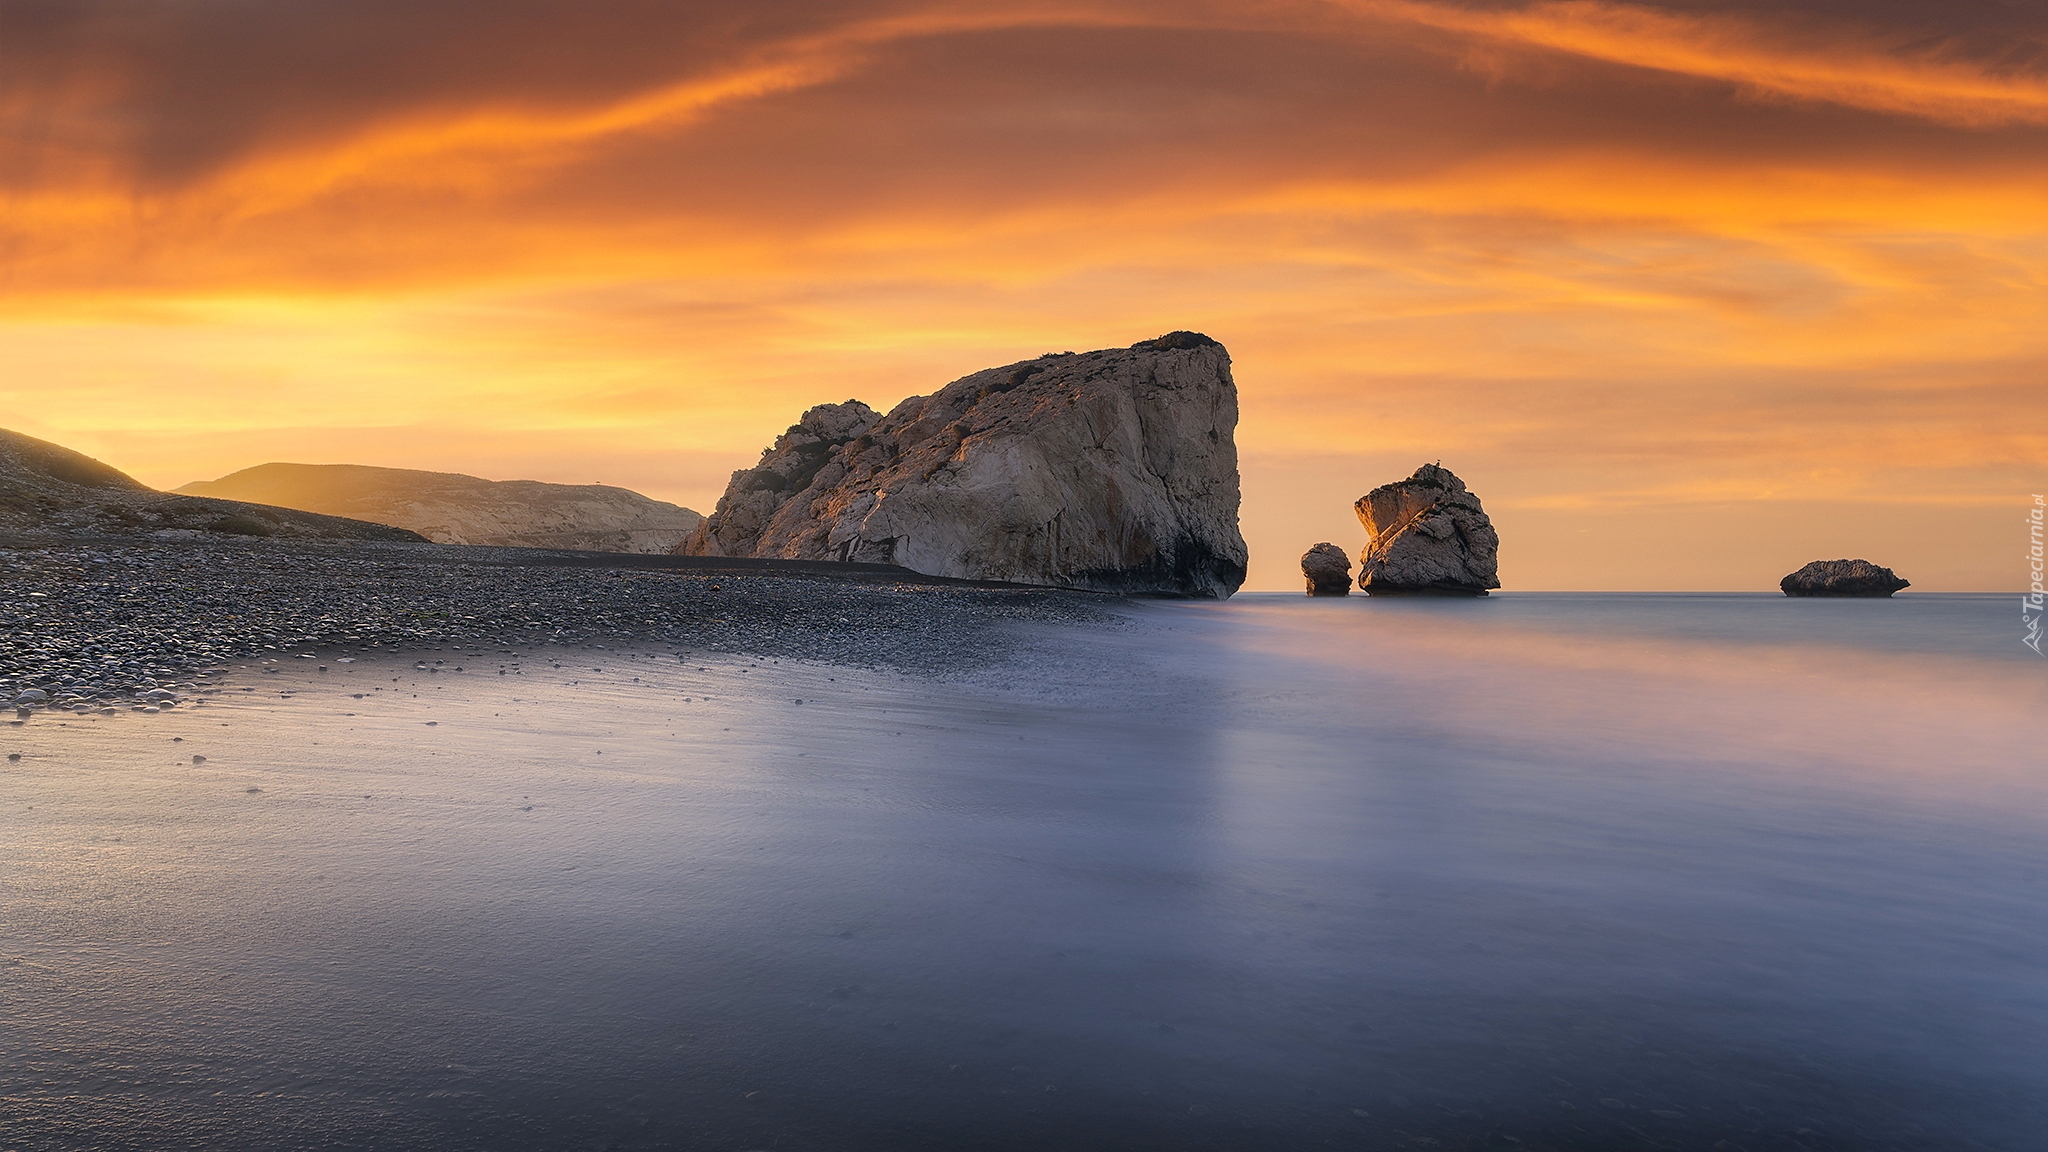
column 1857, row 73
column 479, row 146
column 1424, row 230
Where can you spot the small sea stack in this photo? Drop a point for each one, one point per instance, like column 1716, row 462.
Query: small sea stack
column 1843, row 578
column 1327, row 569
column 1429, row 537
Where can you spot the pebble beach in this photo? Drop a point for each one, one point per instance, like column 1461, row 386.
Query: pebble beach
column 130, row 624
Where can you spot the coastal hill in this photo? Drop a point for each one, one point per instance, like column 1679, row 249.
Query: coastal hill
column 450, row 508
column 45, row 487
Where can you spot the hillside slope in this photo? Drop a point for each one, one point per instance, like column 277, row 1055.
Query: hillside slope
column 450, row 508
column 46, row 487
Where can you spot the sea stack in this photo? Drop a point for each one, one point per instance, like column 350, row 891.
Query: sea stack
column 1113, row 471
column 1327, row 569
column 1428, row 537
column 1842, row 578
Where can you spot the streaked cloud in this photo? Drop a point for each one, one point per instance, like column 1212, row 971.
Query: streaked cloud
column 1874, row 68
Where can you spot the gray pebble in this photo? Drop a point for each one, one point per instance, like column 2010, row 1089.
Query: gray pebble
column 109, row 623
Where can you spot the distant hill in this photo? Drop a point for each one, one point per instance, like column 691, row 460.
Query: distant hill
column 45, row 487
column 450, row 508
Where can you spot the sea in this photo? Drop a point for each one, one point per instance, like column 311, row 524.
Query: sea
column 1532, row 872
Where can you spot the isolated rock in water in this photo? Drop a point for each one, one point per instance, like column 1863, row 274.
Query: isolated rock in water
column 1328, row 570
column 1429, row 536
column 1842, row 578
column 1113, row 470
column 450, row 508
column 48, row 488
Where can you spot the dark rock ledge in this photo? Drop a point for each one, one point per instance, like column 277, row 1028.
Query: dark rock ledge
column 1842, row 578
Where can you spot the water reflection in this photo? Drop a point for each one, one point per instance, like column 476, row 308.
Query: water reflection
column 1244, row 876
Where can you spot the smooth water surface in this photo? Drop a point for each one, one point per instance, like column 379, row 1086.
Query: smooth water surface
column 1567, row 872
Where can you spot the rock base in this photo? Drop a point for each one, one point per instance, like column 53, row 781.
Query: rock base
column 1453, row 590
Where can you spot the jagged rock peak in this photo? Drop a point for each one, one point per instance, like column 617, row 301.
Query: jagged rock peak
column 1842, row 578
column 754, row 496
column 1113, row 470
column 1173, row 340
column 1428, row 535
column 1327, row 569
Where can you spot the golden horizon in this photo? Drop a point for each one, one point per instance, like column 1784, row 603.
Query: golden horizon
column 1687, row 296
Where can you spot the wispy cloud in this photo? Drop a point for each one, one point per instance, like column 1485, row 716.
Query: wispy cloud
column 1847, row 65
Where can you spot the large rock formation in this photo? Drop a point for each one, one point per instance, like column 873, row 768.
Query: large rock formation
column 1114, row 471
column 1328, row 570
column 44, row 487
column 1428, row 536
column 450, row 508
column 1842, row 578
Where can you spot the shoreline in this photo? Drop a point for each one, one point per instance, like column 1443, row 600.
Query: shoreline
column 108, row 622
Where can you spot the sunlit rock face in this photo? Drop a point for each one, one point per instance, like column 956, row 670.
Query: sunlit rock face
column 1842, row 578
column 1327, row 569
column 450, row 508
column 759, row 498
column 1114, row 471
column 1429, row 537
column 45, row 487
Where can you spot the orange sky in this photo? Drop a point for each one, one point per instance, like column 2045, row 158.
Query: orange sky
column 1690, row 293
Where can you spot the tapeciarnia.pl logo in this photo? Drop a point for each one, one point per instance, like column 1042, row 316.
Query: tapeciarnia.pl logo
column 2032, row 603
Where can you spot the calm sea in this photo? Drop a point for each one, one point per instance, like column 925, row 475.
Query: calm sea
column 1534, row 872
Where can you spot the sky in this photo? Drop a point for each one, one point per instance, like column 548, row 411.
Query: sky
column 1689, row 293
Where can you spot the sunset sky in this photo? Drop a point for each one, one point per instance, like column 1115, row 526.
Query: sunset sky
column 1690, row 293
